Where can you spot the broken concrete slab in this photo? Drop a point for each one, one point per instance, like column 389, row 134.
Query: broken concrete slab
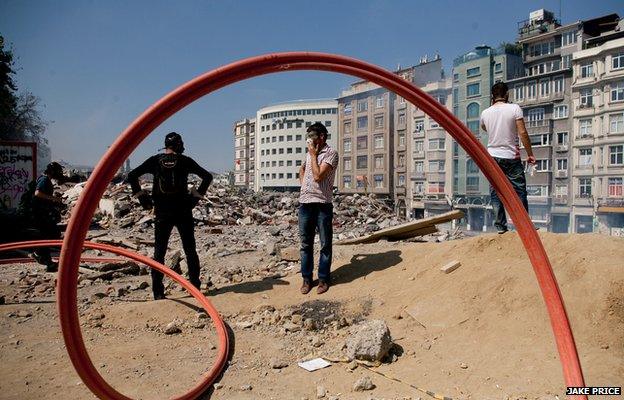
column 450, row 267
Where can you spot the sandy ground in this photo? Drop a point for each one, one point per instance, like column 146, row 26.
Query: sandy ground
column 480, row 332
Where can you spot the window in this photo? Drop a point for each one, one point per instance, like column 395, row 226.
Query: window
column 347, row 164
column 401, row 100
column 616, row 155
column 561, row 191
column 473, row 71
column 289, row 138
column 473, row 126
column 299, row 150
column 419, row 145
column 298, row 163
column 566, row 61
column 281, row 176
column 537, row 190
column 433, row 124
column 562, row 138
column 531, row 90
column 617, row 91
column 436, row 144
column 455, row 77
column 289, row 150
column 560, row 111
column 402, row 118
column 362, row 142
column 615, row 187
column 519, row 92
column 471, row 166
column 562, row 164
column 401, row 160
column 379, row 181
column 362, row 105
column 540, row 140
column 436, row 166
column 587, row 70
column 568, row 38
column 346, row 182
column 419, row 126
column 362, row 162
column 419, row 166
column 401, row 180
column 289, row 175
column 346, row 144
column 473, row 89
column 586, row 97
column 308, row 124
column 362, row 122
column 498, row 67
column 616, row 123
column 379, row 122
column 542, row 165
column 585, row 157
column 298, row 137
column 585, row 126
column 347, row 109
column 379, row 102
column 379, row 162
column 273, row 151
column 401, row 135
column 617, row 61
column 281, row 150
column 472, row 184
column 472, row 111
column 545, row 88
column 558, row 84
column 541, row 49
column 379, row 141
column 289, row 163
column 585, row 187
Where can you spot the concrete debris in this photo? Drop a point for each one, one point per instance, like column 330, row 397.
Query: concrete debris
column 369, row 341
column 362, row 384
column 450, row 267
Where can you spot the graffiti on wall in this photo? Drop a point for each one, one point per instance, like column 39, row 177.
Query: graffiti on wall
column 17, row 166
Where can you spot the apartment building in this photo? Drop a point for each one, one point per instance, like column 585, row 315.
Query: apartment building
column 597, row 153
column 280, row 140
column 244, row 152
column 474, row 73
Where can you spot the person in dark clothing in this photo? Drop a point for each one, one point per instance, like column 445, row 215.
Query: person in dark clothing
column 46, row 212
column 172, row 203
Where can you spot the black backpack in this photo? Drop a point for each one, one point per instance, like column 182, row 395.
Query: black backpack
column 169, row 177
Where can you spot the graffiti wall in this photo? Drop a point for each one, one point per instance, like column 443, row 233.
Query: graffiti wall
column 17, row 169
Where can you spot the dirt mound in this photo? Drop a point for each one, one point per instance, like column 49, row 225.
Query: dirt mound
column 481, row 331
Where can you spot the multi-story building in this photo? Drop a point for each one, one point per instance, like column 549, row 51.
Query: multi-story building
column 474, row 73
column 244, row 137
column 597, row 153
column 280, row 140
column 376, row 157
column 365, row 126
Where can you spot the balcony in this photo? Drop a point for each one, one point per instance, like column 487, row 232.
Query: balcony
column 538, row 199
column 583, row 200
column 437, row 154
column 611, row 201
column 419, row 134
column 400, row 190
column 583, row 136
column 539, row 126
column 586, row 106
column 561, row 148
column 418, row 154
column 560, row 200
column 561, row 174
column 418, row 175
column 472, row 189
column 436, row 176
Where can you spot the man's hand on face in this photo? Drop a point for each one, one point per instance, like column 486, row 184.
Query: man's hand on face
column 312, row 149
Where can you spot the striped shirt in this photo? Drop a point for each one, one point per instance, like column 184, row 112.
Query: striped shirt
column 319, row 192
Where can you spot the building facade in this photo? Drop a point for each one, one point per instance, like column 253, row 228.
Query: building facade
column 280, row 140
column 597, row 159
column 244, row 152
column 474, row 73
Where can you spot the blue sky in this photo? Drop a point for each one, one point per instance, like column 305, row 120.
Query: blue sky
column 96, row 65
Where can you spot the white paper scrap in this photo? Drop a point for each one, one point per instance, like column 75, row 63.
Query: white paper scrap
column 314, row 364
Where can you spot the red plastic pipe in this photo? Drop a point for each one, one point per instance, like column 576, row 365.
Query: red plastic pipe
column 273, row 63
column 223, row 347
column 27, row 260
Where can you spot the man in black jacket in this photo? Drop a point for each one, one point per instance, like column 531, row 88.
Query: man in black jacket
column 173, row 204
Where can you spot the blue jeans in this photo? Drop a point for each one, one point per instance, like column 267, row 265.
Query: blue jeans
column 514, row 170
column 312, row 216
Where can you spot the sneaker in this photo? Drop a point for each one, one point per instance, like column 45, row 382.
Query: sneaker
column 160, row 296
column 52, row 267
column 500, row 231
column 322, row 287
column 306, row 286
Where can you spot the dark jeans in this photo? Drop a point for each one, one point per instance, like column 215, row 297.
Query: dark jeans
column 311, row 217
column 514, row 170
column 46, row 230
column 163, row 226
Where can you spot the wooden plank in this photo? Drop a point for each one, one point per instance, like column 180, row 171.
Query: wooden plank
column 407, row 230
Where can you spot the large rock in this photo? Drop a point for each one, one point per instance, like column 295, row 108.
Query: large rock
column 370, row 341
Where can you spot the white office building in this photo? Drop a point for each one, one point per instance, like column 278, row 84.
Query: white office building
column 281, row 140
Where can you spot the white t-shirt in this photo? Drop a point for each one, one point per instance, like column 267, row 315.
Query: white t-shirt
column 500, row 124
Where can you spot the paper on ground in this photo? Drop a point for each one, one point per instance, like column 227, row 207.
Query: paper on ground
column 314, row 364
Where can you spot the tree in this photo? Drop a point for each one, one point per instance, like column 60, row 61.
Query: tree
column 20, row 118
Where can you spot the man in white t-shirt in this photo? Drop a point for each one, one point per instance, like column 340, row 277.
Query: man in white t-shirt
column 504, row 124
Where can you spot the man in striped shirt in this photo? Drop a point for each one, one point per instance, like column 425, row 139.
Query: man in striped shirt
column 315, row 207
